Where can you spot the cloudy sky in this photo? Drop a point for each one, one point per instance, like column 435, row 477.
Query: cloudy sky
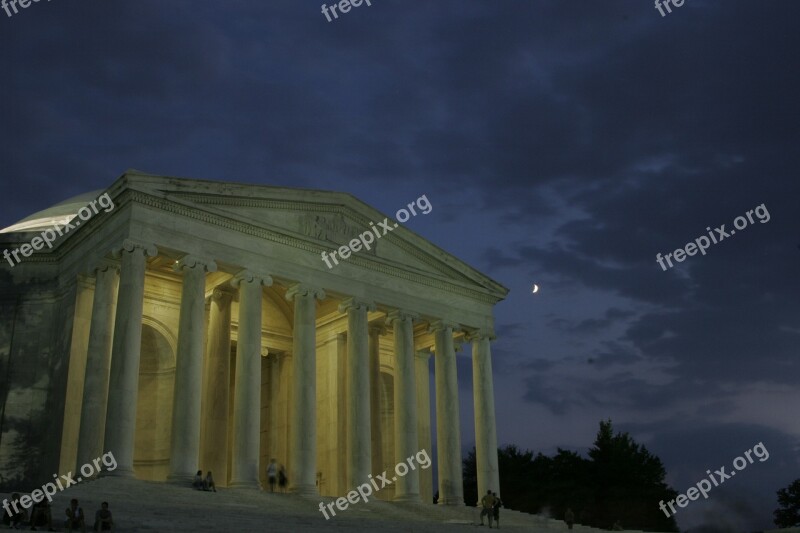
column 563, row 143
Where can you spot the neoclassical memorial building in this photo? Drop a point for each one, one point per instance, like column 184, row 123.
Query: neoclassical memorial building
column 195, row 326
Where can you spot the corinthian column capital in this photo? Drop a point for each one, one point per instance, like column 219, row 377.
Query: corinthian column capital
column 222, row 294
column 480, row 334
column 301, row 289
column 248, row 276
column 400, row 315
column 133, row 245
column 105, row 265
column 356, row 303
column 377, row 328
column 441, row 325
column 192, row 261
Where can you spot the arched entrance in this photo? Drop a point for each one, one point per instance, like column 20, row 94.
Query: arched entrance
column 154, row 406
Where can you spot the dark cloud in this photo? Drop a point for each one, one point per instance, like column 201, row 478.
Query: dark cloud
column 510, row 330
column 592, row 325
column 739, row 503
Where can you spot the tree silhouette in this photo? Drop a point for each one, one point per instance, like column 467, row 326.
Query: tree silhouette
column 620, row 480
column 628, row 482
column 517, row 468
column 789, row 500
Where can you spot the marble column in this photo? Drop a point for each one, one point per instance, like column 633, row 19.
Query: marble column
column 423, row 384
column 406, row 439
column 214, row 445
column 303, row 419
column 188, row 389
column 126, row 347
column 337, row 472
column 485, row 429
column 98, row 363
column 357, row 400
column 448, row 432
column 247, row 393
column 274, row 362
column 375, row 332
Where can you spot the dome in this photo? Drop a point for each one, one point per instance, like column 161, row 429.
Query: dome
column 57, row 215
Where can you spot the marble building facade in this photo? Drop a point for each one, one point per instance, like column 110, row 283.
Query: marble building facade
column 194, row 326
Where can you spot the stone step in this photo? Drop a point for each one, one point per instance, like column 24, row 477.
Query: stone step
column 156, row 507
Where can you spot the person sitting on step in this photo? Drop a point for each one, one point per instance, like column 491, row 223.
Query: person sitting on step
column 198, row 480
column 41, row 515
column 75, row 518
column 208, row 482
column 103, row 521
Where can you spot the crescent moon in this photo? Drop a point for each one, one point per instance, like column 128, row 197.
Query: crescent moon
column 535, row 288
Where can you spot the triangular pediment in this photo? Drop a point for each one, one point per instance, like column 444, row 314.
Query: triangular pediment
column 325, row 220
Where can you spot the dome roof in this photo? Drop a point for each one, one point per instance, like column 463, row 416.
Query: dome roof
column 57, row 215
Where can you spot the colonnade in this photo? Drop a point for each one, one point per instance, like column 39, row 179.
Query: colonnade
column 108, row 414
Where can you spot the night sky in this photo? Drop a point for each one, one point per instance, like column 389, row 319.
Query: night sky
column 562, row 143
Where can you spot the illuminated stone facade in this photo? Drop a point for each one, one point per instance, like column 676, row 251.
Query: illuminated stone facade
column 195, row 326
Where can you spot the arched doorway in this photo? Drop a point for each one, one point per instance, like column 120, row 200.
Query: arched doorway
column 154, row 406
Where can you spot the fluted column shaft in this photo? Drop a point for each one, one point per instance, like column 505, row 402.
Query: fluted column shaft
column 126, row 347
column 423, row 382
column 214, row 446
column 485, row 429
column 359, row 435
column 303, row 425
column 406, row 435
column 448, row 432
column 247, row 393
column 187, row 394
column 98, row 364
column 274, row 361
column 375, row 332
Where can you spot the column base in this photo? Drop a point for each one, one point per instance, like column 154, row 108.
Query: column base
column 407, row 498
column 247, row 485
column 120, row 471
column 304, row 490
column 180, row 479
column 451, row 502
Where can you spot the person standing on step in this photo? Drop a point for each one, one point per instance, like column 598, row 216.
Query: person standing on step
column 282, row 479
column 487, row 502
column 569, row 518
column 272, row 474
column 496, row 509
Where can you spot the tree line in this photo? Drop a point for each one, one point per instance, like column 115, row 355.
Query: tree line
column 619, row 481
